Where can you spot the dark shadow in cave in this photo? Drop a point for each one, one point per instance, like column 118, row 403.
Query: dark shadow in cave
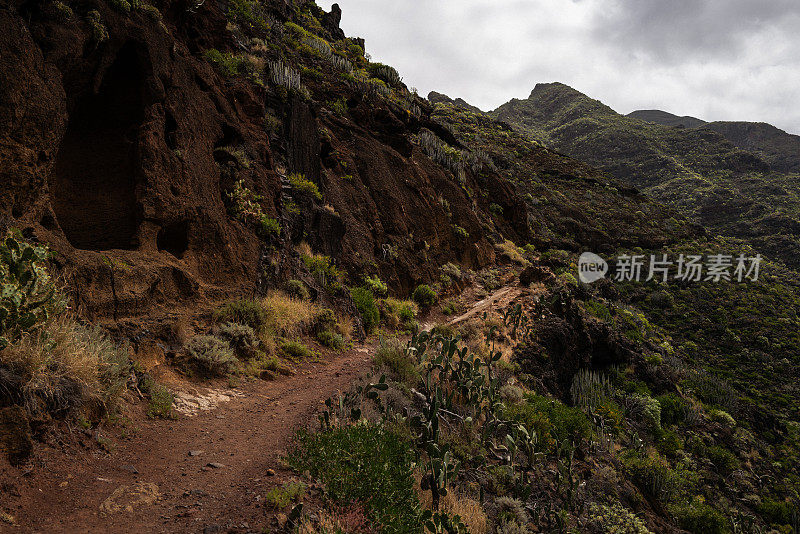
column 94, row 184
column 174, row 238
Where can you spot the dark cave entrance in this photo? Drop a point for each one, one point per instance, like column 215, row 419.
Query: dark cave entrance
column 94, row 183
column 174, row 238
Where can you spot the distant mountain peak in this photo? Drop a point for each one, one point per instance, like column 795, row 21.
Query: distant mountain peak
column 436, row 97
column 667, row 119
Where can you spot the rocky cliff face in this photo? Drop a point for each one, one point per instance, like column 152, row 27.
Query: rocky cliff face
column 121, row 143
column 113, row 157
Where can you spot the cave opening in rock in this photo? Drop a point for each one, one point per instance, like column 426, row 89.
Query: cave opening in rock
column 174, row 238
column 94, row 183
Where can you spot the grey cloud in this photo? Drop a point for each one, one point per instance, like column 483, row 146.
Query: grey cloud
column 671, row 30
column 715, row 59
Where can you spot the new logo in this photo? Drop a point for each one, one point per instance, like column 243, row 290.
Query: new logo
column 591, row 267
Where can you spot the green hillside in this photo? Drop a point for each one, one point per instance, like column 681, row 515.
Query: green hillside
column 696, row 170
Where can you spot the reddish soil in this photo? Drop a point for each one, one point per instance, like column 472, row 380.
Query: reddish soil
column 65, row 487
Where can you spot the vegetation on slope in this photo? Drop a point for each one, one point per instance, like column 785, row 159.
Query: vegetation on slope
column 697, row 171
column 507, row 436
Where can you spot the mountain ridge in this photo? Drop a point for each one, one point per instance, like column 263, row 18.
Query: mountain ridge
column 666, row 118
column 697, row 170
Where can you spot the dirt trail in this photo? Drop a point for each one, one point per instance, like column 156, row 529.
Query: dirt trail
column 151, row 483
column 500, row 298
column 205, row 473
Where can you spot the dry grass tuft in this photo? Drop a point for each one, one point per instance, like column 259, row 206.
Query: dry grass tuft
column 348, row 519
column 64, row 366
column 286, row 316
column 455, row 503
column 344, row 326
column 7, row 518
column 512, row 252
column 304, row 249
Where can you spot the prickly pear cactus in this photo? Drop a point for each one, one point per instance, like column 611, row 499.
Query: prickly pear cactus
column 28, row 294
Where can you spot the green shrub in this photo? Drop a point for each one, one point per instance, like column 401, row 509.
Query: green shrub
column 654, row 476
column 598, row 309
column 647, row 409
column 406, row 311
column 152, row 12
column 243, row 311
column 339, row 106
column 723, row 418
column 364, row 301
column 366, row 464
column 211, row 355
column 490, row 279
column 247, row 13
column 330, row 339
column 451, row 307
column 399, row 313
column 566, row 423
column 700, row 518
column 323, row 269
column 376, row 285
column 459, row 232
column 63, row 11
column 297, row 290
column 241, row 338
column 324, row 320
column 615, row 519
column 227, row 63
column 673, row 409
column 669, row 444
column 425, row 296
column 270, row 226
column 390, row 354
column 160, row 404
column 301, row 184
column 281, row 497
column 296, row 29
column 99, row 31
column 775, row 512
column 296, row 351
column 121, row 5
column 723, row 459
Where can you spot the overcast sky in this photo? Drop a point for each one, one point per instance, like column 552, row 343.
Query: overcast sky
column 713, row 59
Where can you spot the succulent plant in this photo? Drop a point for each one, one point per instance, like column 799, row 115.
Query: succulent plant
column 29, row 295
